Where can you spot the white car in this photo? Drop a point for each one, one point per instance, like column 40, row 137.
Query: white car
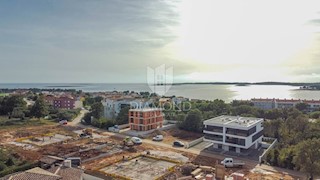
column 63, row 122
column 158, row 138
column 136, row 140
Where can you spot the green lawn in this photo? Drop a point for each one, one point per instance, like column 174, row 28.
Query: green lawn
column 16, row 122
column 3, row 94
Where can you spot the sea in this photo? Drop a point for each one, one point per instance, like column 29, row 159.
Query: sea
column 192, row 91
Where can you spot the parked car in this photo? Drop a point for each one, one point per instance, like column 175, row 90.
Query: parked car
column 158, row 138
column 63, row 122
column 178, row 144
column 136, row 140
column 230, row 162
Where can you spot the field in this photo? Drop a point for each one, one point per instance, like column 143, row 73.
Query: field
column 3, row 94
column 169, row 136
column 6, row 123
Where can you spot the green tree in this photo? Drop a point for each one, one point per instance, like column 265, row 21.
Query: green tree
column 65, row 115
column 244, row 109
column 18, row 112
column 302, row 106
column 40, row 108
column 275, row 157
column 97, row 110
column 2, row 166
column 307, row 157
column 8, row 103
column 9, row 162
column 193, row 121
column 273, row 114
column 315, row 115
column 123, row 116
column 219, row 107
column 87, row 118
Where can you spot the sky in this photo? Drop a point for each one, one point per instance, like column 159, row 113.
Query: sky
column 116, row 41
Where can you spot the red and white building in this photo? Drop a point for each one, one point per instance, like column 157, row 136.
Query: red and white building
column 266, row 103
column 145, row 119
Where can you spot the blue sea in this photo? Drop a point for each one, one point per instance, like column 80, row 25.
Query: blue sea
column 192, row 91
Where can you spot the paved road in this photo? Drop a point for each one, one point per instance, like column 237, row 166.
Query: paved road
column 249, row 163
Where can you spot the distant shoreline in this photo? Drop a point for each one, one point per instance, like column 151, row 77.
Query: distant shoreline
column 254, row 83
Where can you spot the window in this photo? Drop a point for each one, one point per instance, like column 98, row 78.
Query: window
column 213, row 137
column 237, row 141
column 256, row 136
column 213, row 129
column 237, row 132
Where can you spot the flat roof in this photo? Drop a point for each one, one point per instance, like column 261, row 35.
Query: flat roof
column 145, row 109
column 235, row 121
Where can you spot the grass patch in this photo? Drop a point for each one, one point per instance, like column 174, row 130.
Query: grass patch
column 3, row 94
column 5, row 122
column 11, row 164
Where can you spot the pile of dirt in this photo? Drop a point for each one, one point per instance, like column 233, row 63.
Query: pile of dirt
column 59, row 149
column 157, row 132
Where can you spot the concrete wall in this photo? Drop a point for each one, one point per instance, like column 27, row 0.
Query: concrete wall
column 194, row 142
column 145, row 133
column 266, row 152
column 124, row 126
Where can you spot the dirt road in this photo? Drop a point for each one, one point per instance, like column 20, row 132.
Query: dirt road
column 77, row 121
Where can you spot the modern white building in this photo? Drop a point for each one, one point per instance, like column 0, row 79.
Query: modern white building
column 234, row 133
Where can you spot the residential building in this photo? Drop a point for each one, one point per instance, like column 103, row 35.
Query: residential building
column 267, row 104
column 145, row 119
column 163, row 101
column 234, row 133
column 63, row 102
column 112, row 107
column 179, row 100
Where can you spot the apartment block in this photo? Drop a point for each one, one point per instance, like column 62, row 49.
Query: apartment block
column 312, row 105
column 145, row 119
column 234, row 133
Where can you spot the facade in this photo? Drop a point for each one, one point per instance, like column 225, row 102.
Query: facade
column 145, row 119
column 63, row 102
column 112, row 107
column 266, row 104
column 233, row 133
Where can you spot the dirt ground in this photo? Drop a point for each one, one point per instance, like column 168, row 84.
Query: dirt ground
column 176, row 134
column 73, row 146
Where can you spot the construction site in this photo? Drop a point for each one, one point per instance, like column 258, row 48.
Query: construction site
column 110, row 156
